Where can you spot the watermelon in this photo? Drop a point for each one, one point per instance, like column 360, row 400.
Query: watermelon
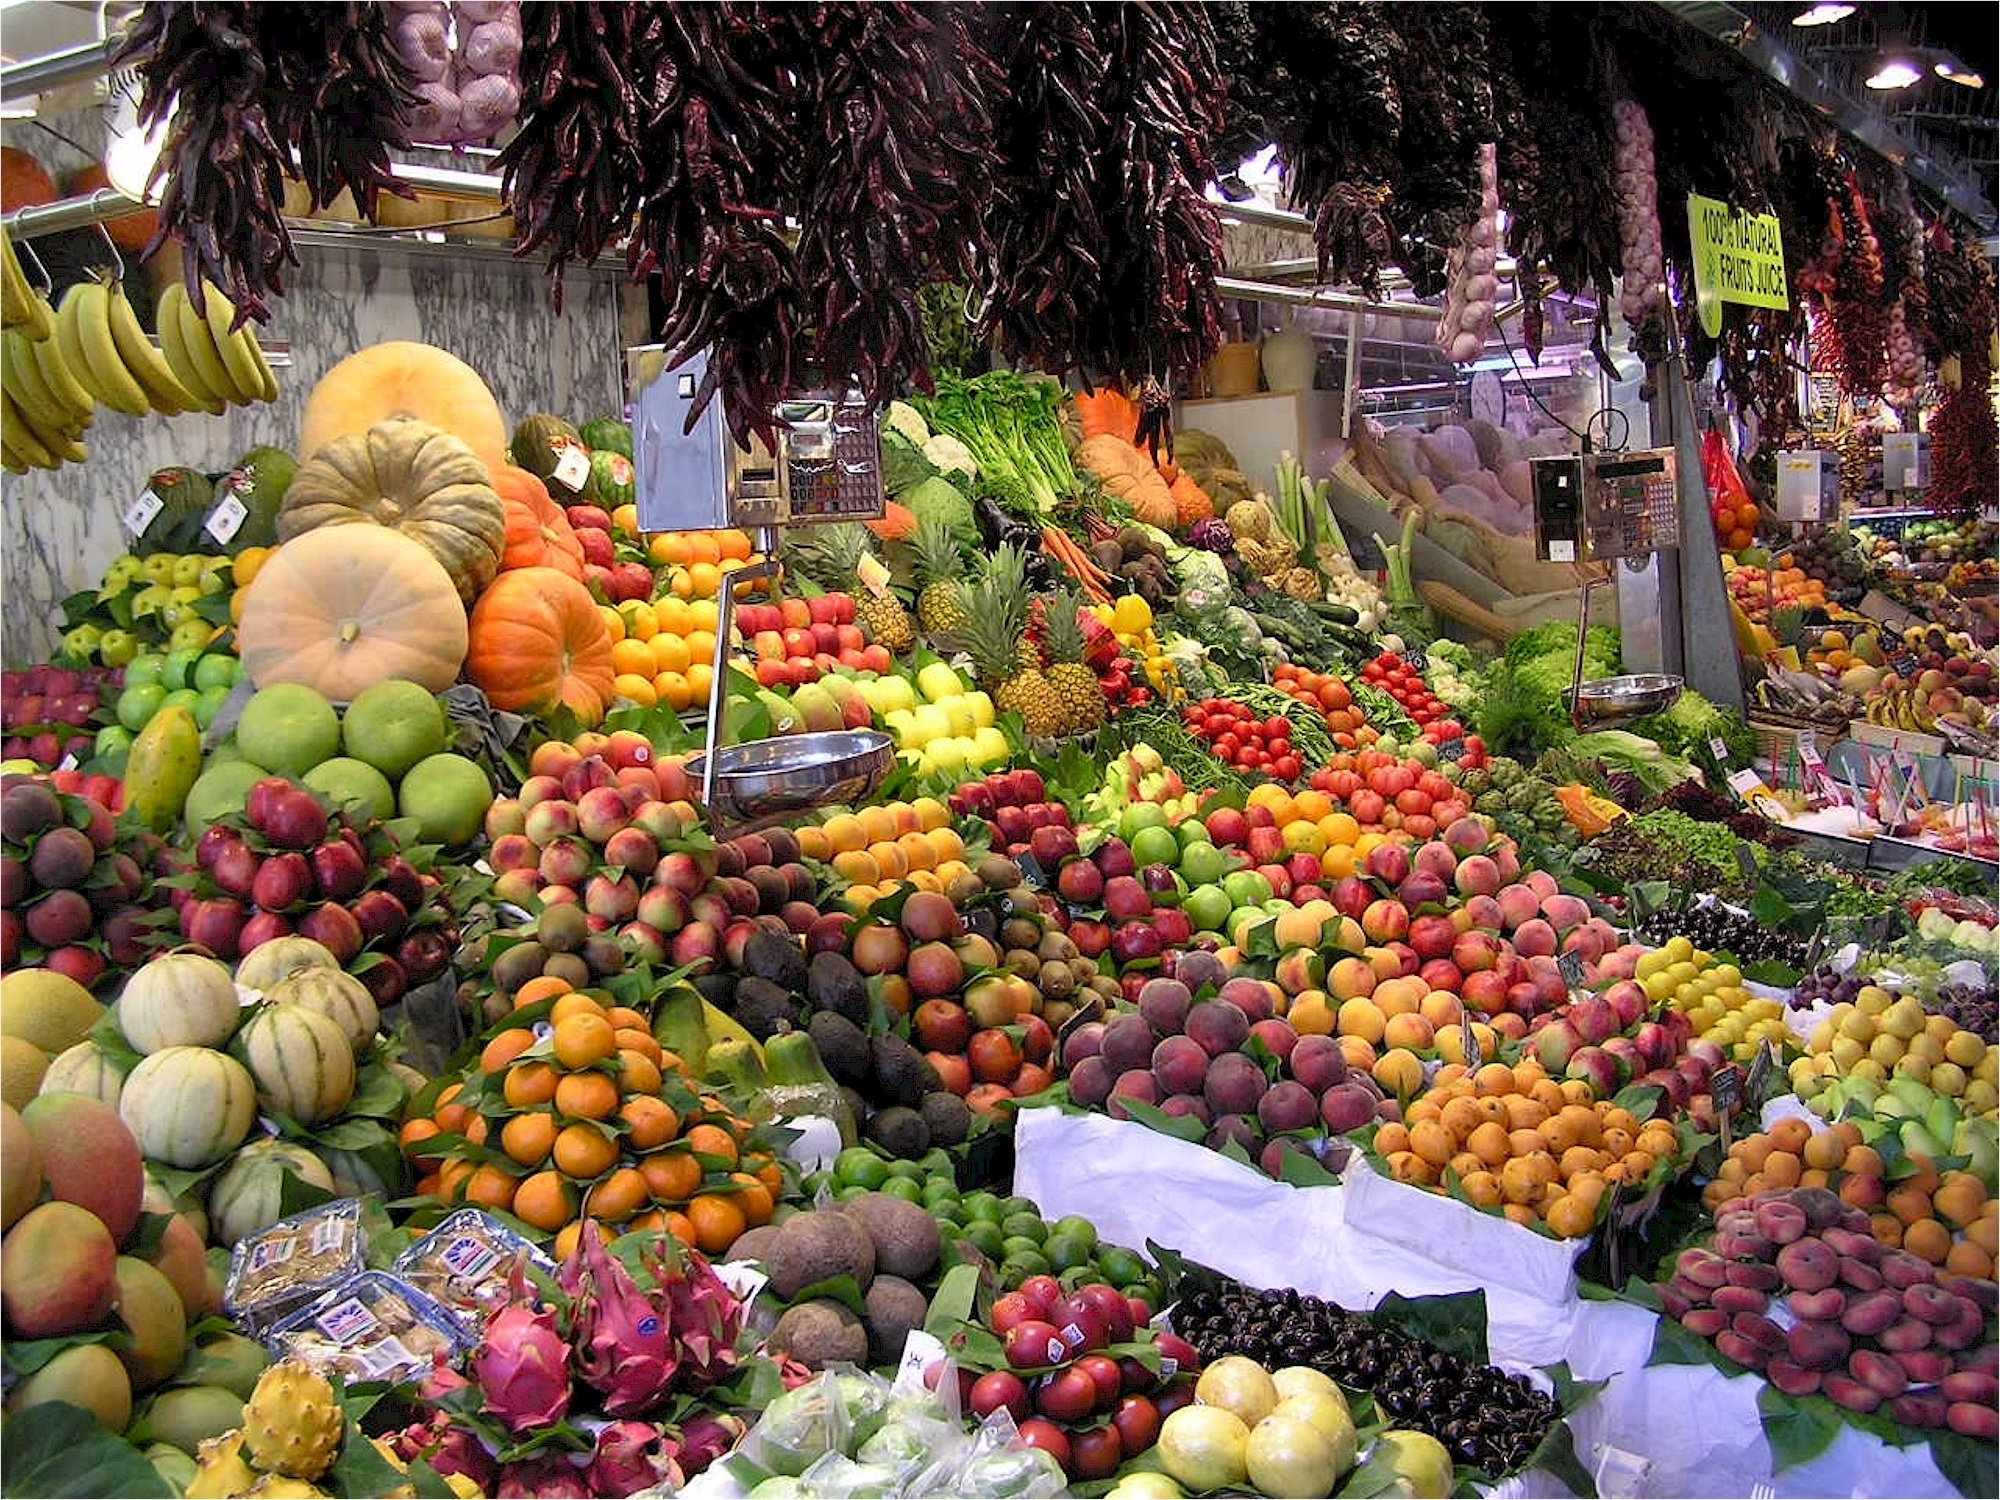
column 538, row 444
column 185, row 497
column 612, row 473
column 188, row 1106
column 301, row 1060
column 607, row 435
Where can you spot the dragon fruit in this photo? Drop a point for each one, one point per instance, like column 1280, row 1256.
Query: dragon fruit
column 1212, row 534
column 706, row 1437
column 448, row 1448
column 633, row 1456
column 548, row 1477
column 705, row 1316
column 441, row 1382
column 522, row 1367
column 624, row 1349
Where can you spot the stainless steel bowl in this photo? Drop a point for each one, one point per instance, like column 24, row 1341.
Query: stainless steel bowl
column 768, row 779
column 1630, row 697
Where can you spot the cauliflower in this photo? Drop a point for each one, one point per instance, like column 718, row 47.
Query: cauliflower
column 950, row 455
column 903, row 418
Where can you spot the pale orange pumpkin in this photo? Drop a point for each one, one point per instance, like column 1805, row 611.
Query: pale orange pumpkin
column 402, row 379
column 538, row 534
column 345, row 607
column 538, row 640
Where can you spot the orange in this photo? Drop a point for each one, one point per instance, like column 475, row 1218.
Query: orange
column 717, row 1220
column 633, row 656
column 574, row 1003
column 452, row 1178
column 569, row 1236
column 541, row 987
column 669, row 547
column 700, row 675
column 672, row 1176
column 614, row 623
column 413, row 1134
column 713, row 1140
column 703, row 547
column 618, row 1196
column 636, row 1039
column 528, row 1138
column 650, row 1122
column 701, row 651
column 674, row 690
column 624, row 1018
column 490, row 1187
column 669, row 652
column 639, row 688
column 530, row 1083
column 587, row 1096
column 475, row 1129
column 638, row 1073
column 584, row 1039
column 680, row 1227
column 584, row 1151
column 505, row 1047
column 755, row 1199
column 449, row 1116
column 652, row 1221
column 732, row 546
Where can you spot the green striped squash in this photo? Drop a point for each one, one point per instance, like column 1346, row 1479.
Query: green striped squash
column 248, row 1194
column 337, row 995
column 301, row 1061
column 188, row 1106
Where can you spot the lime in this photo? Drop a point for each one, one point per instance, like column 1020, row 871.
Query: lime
column 1018, row 1205
column 137, row 704
column 904, row 1188
column 393, row 725
column 1066, row 1252
column 914, row 1170
column 1029, row 1227
column 1119, row 1266
column 186, row 698
column 1079, row 1226
column 849, row 1194
column 144, row 669
column 857, row 1166
column 814, row 1181
column 113, row 742
column 981, row 1205
column 208, row 704
column 1014, row 1245
column 985, row 1237
column 1018, row 1267
column 216, row 669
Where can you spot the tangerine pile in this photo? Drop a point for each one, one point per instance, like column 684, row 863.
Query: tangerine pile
column 1948, row 1218
column 882, row 848
column 594, row 1118
column 1544, row 1153
column 662, row 650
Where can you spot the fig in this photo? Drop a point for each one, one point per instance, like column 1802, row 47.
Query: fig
column 1863, row 1247
column 1963, row 1331
column 1760, row 1330
column 1703, row 1268
column 1900, row 1270
column 1822, row 1209
column 1673, row 1301
column 1905, row 1334
column 1740, row 1245
column 1925, row 1366
column 1970, row 1385
column 1755, row 1275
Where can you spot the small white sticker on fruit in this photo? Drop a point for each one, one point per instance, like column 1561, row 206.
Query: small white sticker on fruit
column 1072, row 1335
column 226, row 519
column 1059, row 1350
column 572, row 468
column 139, row 514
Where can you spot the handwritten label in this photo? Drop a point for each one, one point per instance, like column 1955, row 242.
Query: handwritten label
column 572, row 468
column 1718, row 749
column 1904, row 663
column 1725, row 1085
column 140, row 513
column 1031, row 870
column 226, row 519
column 1570, row 966
column 1451, row 750
column 1758, row 1084
column 1746, row 860
column 1417, row 661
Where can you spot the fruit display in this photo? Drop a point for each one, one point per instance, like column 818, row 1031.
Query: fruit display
column 47, row 712
column 1761, row 592
column 77, row 889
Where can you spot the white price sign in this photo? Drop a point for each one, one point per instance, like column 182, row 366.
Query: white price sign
column 226, row 519
column 572, row 468
column 140, row 513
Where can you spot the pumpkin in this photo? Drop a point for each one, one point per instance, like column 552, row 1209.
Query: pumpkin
column 538, row 640
column 538, row 534
column 249, row 1193
column 178, row 1000
column 401, row 379
column 188, row 1106
column 129, row 232
column 345, row 607
column 335, row 994
column 301, row 1060
column 24, row 181
column 1191, row 502
column 1129, row 475
column 413, row 478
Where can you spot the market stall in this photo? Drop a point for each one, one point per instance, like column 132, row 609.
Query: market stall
column 957, row 815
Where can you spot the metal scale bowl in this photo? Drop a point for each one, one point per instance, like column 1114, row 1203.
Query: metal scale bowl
column 1614, row 700
column 762, row 782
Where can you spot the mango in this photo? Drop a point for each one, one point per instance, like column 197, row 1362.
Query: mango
column 58, row 1272
column 49, row 1009
column 181, row 1257
column 22, row 1065
column 20, row 1167
column 151, row 1311
column 172, row 1465
column 188, row 1415
column 228, row 1360
column 85, row 1375
column 89, row 1158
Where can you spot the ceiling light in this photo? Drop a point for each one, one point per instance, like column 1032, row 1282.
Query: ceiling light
column 132, row 151
column 1953, row 69
column 1896, row 73
column 1822, row 15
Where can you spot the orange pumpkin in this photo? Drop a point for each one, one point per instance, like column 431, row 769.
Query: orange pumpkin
column 538, row 534
column 538, row 640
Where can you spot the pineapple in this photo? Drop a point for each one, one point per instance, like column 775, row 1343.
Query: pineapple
column 939, row 610
column 992, row 638
column 849, row 563
column 1008, row 571
column 1075, row 684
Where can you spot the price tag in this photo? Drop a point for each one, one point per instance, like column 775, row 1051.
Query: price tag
column 1031, row 870
column 226, row 519
column 1746, row 782
column 920, row 1351
column 1746, row 860
column 69, row 762
column 1758, row 1084
column 1815, row 950
column 572, row 467
column 1570, row 966
column 1718, row 749
column 1469, row 1039
column 1417, row 660
column 1451, row 750
column 1904, row 663
column 1725, row 1085
column 140, row 513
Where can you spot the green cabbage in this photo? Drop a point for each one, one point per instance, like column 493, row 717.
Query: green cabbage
column 905, row 420
column 938, row 497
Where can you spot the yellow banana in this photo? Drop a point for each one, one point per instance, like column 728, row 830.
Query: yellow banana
column 20, row 305
column 145, row 364
column 38, row 407
column 200, row 347
column 267, row 378
column 16, row 433
column 180, row 358
column 240, row 363
column 85, row 331
column 62, row 382
column 11, row 461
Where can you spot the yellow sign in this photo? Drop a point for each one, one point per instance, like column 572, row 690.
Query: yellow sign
column 1738, row 257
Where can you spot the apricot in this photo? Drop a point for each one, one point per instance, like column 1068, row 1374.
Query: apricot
column 1790, row 1134
column 1929, row 1239
column 1960, row 1199
column 1490, row 1143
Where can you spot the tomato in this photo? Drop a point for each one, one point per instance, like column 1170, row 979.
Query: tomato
column 1226, row 746
column 1286, row 768
column 1252, row 758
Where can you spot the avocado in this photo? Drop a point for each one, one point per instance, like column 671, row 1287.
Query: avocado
column 947, row 1115
column 778, row 959
column 766, row 1008
column 843, row 1047
column 833, row 983
column 900, row 1131
column 902, row 1074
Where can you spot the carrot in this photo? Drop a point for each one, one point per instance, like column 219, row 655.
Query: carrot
column 1108, row 410
column 1080, row 562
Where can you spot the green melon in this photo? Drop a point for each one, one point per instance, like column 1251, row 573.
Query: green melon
column 259, row 480
column 301, row 1060
column 188, row 1106
column 248, row 1194
column 538, row 444
column 607, row 435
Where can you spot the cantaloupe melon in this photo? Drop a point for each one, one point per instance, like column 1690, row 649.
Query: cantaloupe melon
column 403, row 379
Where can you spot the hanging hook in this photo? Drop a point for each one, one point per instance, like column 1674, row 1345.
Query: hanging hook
column 27, row 248
column 117, row 260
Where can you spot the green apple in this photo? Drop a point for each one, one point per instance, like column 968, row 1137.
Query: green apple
column 1154, row 845
column 82, row 643
column 1208, row 907
column 1246, row 888
column 208, row 703
column 1202, row 863
column 1140, row 816
column 990, row 747
column 144, row 669
column 217, row 669
column 138, row 703
column 177, row 673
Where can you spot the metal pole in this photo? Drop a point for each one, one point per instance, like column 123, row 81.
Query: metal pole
column 718, row 686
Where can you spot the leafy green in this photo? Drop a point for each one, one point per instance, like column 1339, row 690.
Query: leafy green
column 64, row 1451
column 903, row 465
column 1012, row 428
column 937, row 498
column 1622, row 750
column 1686, row 729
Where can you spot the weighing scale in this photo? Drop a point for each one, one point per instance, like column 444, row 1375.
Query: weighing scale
column 1608, row 507
column 692, row 476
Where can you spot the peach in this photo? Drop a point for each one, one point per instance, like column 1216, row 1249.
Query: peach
column 1920, row 1409
column 1871, row 1312
column 1180, row 1065
column 1819, row 1345
column 1851, row 1394
column 1878, row 1372
column 1733, row 1345
column 1705, row 1322
column 1793, row 1380
column 1824, row 1305
column 1739, row 1299
column 1409, row 1030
